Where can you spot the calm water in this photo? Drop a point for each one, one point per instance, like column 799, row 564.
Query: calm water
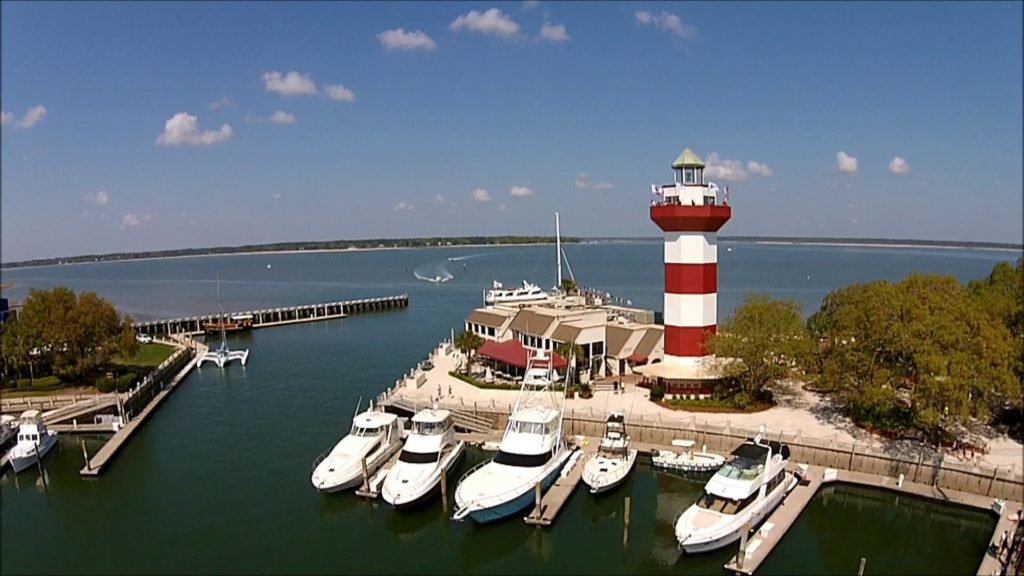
column 218, row 480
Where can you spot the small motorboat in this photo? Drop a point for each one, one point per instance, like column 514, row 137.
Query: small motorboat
column 430, row 451
column 375, row 437
column 614, row 459
column 34, row 441
column 687, row 460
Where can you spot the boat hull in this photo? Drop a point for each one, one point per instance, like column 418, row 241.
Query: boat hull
column 754, row 517
column 373, row 463
column 412, row 497
column 521, row 501
column 23, row 462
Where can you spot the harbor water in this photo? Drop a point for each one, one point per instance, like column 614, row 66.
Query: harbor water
column 218, row 480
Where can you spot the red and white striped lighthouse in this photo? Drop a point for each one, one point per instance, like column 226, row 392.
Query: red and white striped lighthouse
column 689, row 213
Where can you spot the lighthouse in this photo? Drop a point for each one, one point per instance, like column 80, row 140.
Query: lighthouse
column 689, row 213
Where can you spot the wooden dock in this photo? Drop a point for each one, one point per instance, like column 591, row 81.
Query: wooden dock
column 556, row 496
column 95, row 465
column 276, row 316
column 371, row 488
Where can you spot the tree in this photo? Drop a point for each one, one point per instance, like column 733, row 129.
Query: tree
column 569, row 286
column 573, row 353
column 767, row 338
column 467, row 342
column 74, row 335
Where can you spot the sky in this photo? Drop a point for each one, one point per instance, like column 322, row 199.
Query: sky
column 133, row 126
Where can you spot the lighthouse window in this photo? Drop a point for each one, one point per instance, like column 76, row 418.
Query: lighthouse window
column 688, row 176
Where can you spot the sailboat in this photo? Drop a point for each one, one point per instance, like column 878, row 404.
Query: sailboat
column 222, row 355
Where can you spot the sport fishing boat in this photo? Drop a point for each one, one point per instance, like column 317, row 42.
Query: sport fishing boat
column 430, row 451
column 375, row 436
column 614, row 459
column 746, row 489
column 532, row 450
column 34, row 441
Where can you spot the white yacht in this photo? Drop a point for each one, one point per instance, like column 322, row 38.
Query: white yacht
column 375, row 436
column 34, row 441
column 532, row 450
column 745, row 490
column 687, row 460
column 499, row 294
column 614, row 459
column 430, row 451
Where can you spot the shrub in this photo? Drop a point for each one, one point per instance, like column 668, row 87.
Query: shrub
column 657, row 392
column 125, row 381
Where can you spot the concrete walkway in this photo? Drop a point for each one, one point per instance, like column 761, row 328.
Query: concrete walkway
column 797, row 411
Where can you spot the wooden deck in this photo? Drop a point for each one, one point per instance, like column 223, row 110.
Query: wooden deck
column 556, row 496
column 377, row 479
column 95, row 465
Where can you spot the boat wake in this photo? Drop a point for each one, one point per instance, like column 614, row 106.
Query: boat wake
column 433, row 272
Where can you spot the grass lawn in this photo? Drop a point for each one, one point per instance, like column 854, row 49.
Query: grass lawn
column 148, row 356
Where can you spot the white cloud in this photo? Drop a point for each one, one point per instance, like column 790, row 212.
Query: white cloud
column 759, row 169
column 530, row 4
column 339, row 92
column 290, row 84
column 183, row 128
column 480, row 195
column 899, row 166
column 33, row 116
column 224, row 102
column 282, row 117
column 583, row 181
column 131, row 219
column 399, row 39
column 554, row 32
column 403, row 206
column 668, row 22
column 492, row 21
column 720, row 169
column 502, row 207
column 100, row 198
column 438, row 199
column 520, row 191
column 846, row 163
column 6, row 118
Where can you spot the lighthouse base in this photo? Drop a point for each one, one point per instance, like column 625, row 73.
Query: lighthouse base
column 687, row 377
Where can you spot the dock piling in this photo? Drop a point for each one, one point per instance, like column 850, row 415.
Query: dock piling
column 444, row 494
column 860, row 571
column 366, row 475
column 625, row 525
column 743, row 545
column 537, row 499
column 85, row 454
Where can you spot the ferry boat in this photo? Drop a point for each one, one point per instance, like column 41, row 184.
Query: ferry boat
column 498, row 294
column 430, row 451
column 532, row 450
column 375, row 436
column 687, row 460
column 34, row 441
column 745, row 490
column 614, row 459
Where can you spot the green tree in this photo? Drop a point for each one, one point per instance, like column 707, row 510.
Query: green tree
column 467, row 342
column 569, row 286
column 768, row 340
column 573, row 353
column 75, row 335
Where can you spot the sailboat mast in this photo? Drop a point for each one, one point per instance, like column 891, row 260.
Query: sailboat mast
column 220, row 305
column 558, row 247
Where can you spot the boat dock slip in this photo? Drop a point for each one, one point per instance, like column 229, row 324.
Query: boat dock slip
column 556, row 496
column 94, row 465
column 372, row 488
column 277, row 316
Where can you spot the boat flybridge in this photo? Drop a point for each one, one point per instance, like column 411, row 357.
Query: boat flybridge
column 614, row 459
column 222, row 355
column 745, row 490
column 375, row 436
column 531, row 451
column 34, row 441
column 430, row 451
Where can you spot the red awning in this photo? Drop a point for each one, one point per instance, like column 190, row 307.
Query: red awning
column 513, row 353
column 638, row 358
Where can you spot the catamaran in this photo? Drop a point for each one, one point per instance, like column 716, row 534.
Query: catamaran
column 532, row 450
column 222, row 355
column 744, row 491
column 430, row 451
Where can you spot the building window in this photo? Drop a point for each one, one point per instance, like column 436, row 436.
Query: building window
column 700, row 175
column 688, row 176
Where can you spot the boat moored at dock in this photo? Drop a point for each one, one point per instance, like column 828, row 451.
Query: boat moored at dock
column 34, row 441
column 614, row 459
column 430, row 451
column 375, row 437
column 687, row 460
column 743, row 492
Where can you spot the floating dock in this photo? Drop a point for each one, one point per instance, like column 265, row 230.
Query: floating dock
column 276, row 316
column 556, row 496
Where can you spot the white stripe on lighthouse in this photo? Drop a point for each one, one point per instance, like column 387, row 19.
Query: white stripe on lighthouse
column 691, row 247
column 689, row 310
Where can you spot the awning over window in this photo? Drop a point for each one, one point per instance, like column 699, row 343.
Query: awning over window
column 513, row 353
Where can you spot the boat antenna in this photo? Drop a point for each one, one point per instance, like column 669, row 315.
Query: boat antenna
column 558, row 249
column 357, row 408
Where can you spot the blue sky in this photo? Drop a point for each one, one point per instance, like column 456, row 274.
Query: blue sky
column 145, row 126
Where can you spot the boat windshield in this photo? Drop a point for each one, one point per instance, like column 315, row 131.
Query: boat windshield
column 740, row 468
column 522, row 460
column 362, row 431
column 531, row 427
column 428, row 428
column 418, row 457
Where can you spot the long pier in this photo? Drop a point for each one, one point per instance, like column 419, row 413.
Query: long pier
column 555, row 498
column 276, row 316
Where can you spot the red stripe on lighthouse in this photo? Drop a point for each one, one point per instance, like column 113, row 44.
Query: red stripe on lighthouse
column 691, row 278
column 687, row 341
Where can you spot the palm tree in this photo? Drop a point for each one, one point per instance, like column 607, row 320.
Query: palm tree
column 467, row 342
column 573, row 353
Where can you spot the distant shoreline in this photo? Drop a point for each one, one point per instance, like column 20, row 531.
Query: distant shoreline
column 763, row 240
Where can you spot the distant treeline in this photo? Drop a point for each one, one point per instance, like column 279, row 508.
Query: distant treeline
column 815, row 240
column 297, row 246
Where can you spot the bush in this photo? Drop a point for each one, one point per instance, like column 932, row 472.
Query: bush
column 125, row 381
column 479, row 384
column 657, row 392
column 584, row 390
column 104, row 385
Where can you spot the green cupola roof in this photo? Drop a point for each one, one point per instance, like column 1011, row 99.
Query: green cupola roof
column 688, row 160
